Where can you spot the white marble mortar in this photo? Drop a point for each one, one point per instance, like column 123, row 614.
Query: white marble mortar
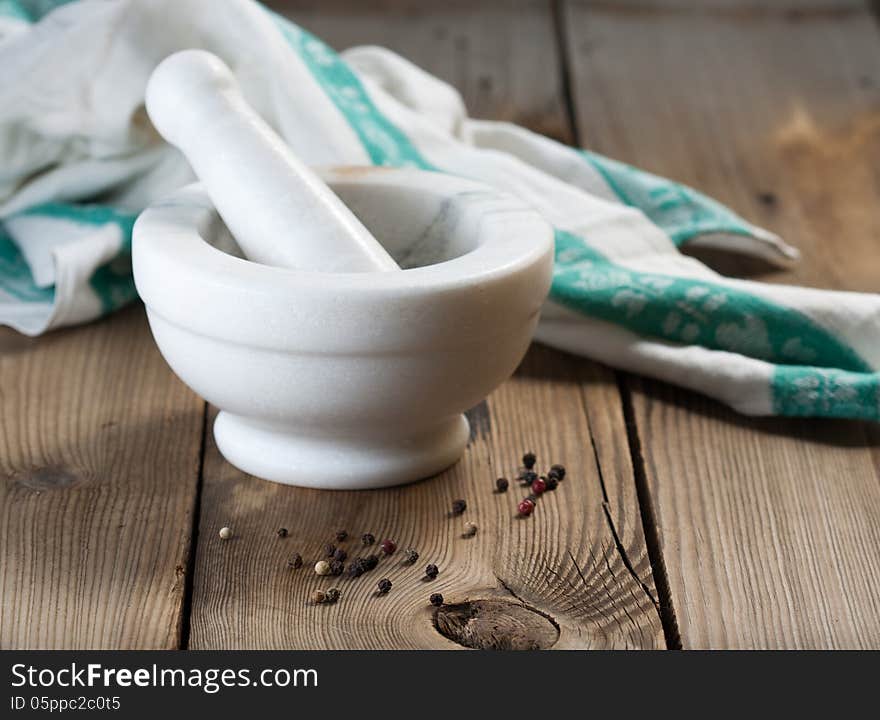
column 349, row 380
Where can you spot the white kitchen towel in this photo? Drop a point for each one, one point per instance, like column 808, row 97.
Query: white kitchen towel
column 79, row 159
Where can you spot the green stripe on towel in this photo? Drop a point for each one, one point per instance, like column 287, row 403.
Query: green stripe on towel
column 811, row 392
column 681, row 212
column 692, row 312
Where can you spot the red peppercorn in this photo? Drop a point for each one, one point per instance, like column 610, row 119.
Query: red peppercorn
column 388, row 547
column 525, row 507
column 539, row 486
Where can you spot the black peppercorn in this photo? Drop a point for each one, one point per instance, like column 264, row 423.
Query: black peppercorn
column 341, row 535
column 501, row 484
column 368, row 538
column 356, row 568
column 282, row 532
column 528, row 477
column 336, row 567
column 295, row 562
column 558, row 471
column 532, row 497
column 331, row 595
column 329, row 549
column 458, row 507
column 339, row 554
column 552, row 482
column 528, row 460
column 370, row 562
column 431, row 571
column 384, row 585
column 436, row 599
column 410, row 556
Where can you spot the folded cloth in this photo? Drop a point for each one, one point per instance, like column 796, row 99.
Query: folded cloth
column 79, row 159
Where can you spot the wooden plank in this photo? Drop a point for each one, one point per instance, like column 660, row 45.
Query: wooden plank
column 770, row 529
column 579, row 561
column 99, row 455
column 562, row 562
column 502, row 56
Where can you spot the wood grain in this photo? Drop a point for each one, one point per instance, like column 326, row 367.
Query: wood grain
column 99, row 454
column 501, row 55
column 580, row 561
column 559, row 574
column 770, row 528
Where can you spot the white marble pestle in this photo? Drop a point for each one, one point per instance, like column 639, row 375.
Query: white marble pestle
column 279, row 211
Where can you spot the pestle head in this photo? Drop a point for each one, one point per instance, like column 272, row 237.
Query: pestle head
column 185, row 87
column 278, row 209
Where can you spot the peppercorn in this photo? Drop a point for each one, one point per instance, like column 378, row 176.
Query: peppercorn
column 384, row 585
column 329, row 549
column 336, row 567
column 525, row 507
column 436, row 599
column 470, row 529
column 528, row 477
column 339, row 554
column 332, row 595
column 388, row 547
column 552, row 482
column 225, row 533
column 528, row 460
column 501, row 485
column 282, row 532
column 356, row 569
column 431, row 571
column 411, row 556
column 558, row 471
column 539, row 486
column 318, row 597
column 322, row 567
column 370, row 562
column 458, row 507
column 532, row 498
column 368, row 538
column 296, row 561
column 341, row 536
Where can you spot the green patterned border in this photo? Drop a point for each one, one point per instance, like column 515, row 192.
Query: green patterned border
column 811, row 392
column 692, row 312
column 681, row 212
column 383, row 141
column 16, row 279
column 112, row 282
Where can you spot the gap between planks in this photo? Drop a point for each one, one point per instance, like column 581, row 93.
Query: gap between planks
column 768, row 526
column 665, row 605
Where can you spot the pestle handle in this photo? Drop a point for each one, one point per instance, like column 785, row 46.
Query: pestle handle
column 278, row 209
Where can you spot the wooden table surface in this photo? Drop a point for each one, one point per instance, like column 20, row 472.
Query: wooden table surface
column 681, row 524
